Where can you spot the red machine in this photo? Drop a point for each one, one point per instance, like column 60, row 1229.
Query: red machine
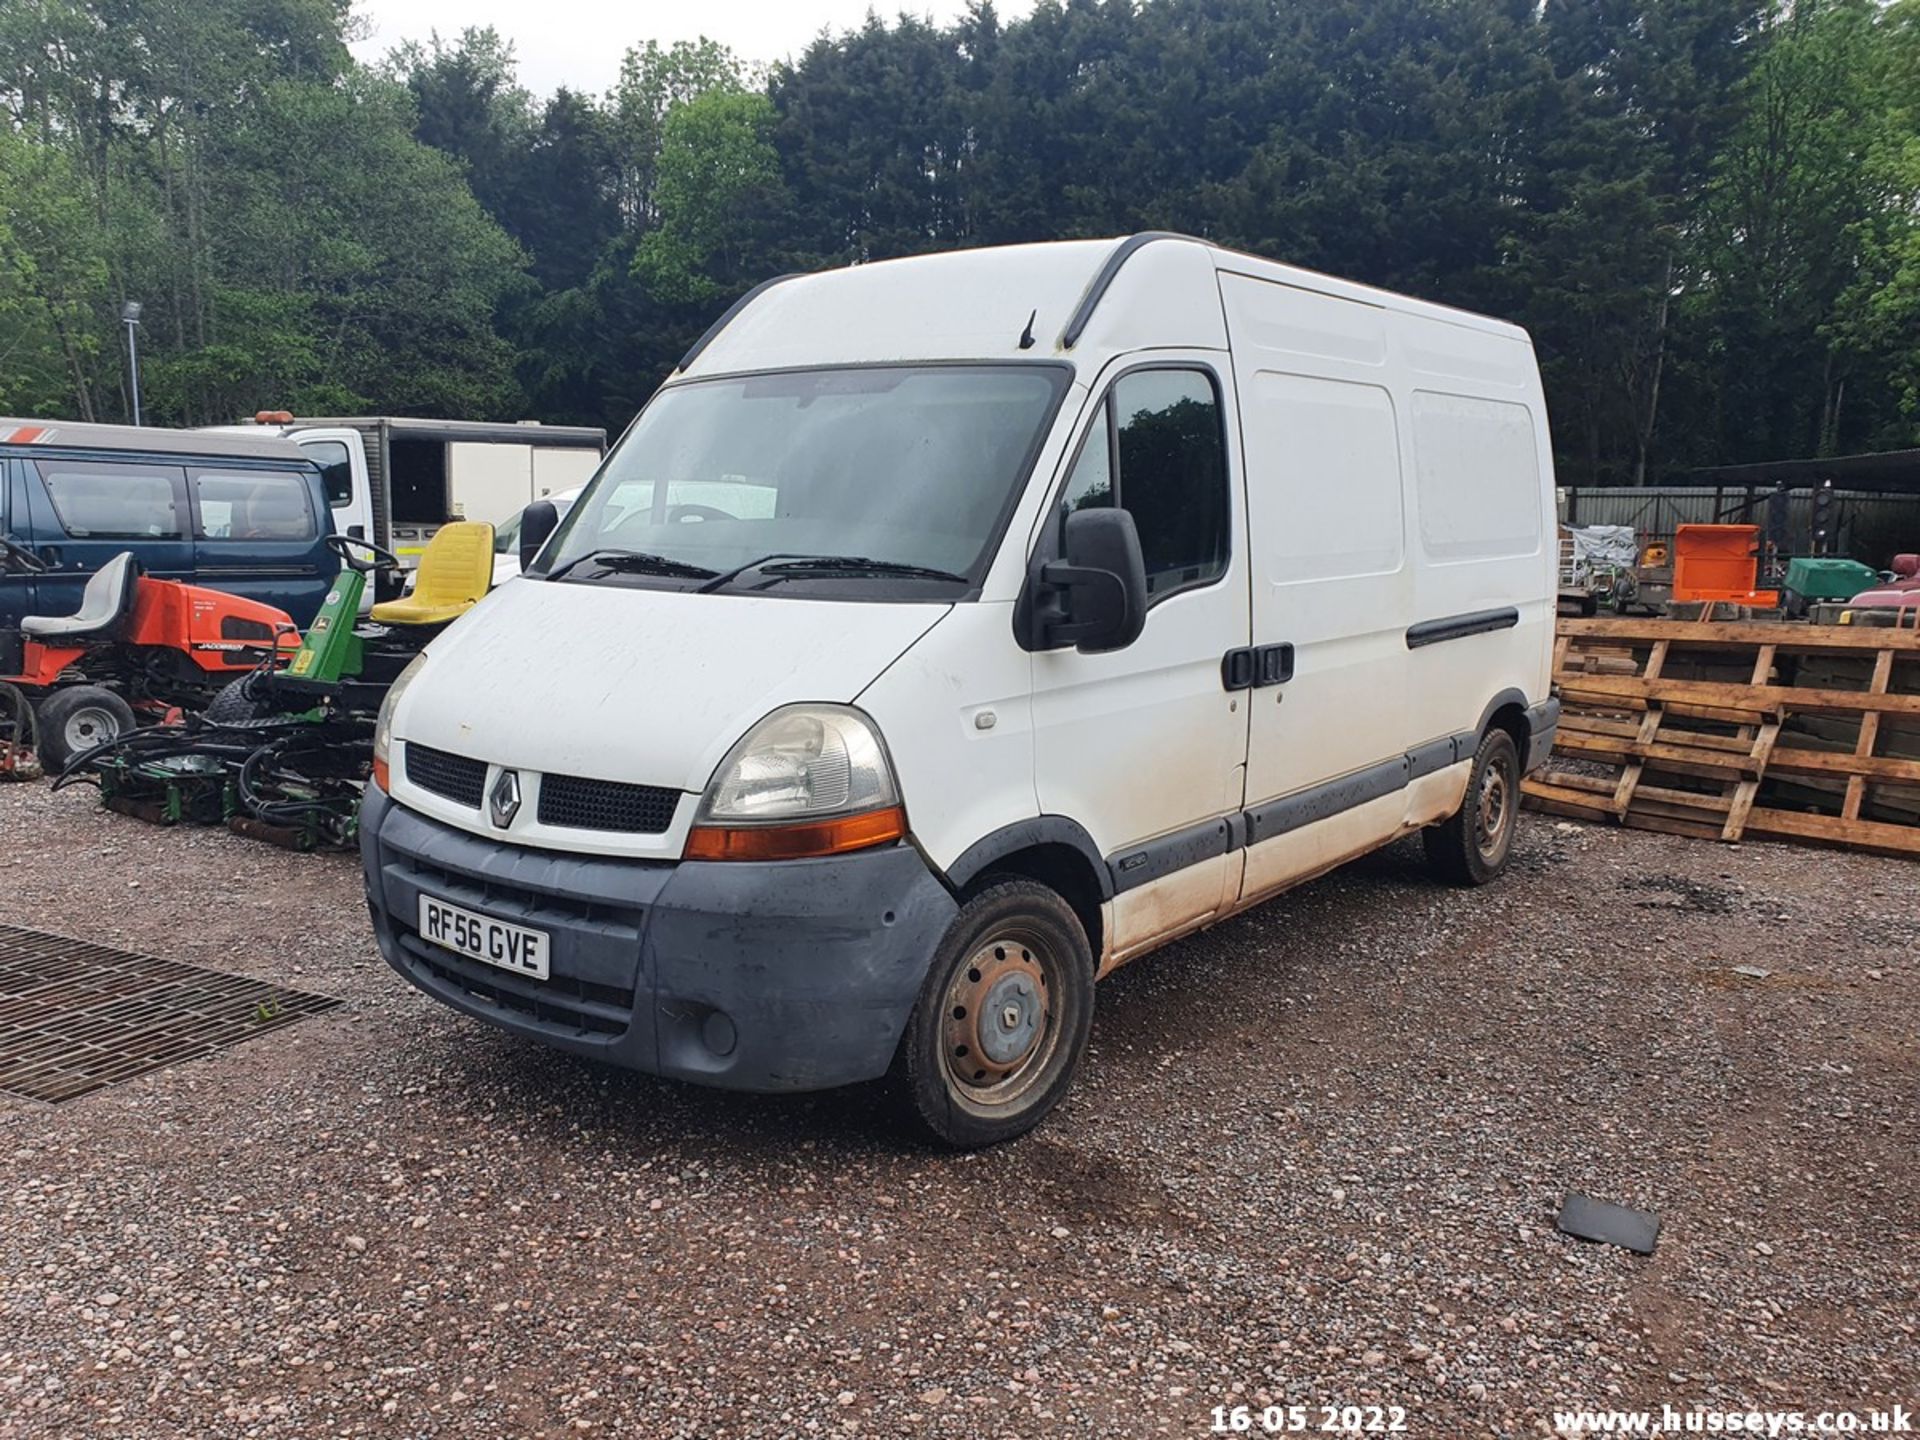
column 137, row 647
column 1900, row 594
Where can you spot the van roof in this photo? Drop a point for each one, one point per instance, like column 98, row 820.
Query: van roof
column 1086, row 299
column 147, row 440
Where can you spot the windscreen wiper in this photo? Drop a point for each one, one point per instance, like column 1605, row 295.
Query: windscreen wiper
column 815, row 567
column 637, row 562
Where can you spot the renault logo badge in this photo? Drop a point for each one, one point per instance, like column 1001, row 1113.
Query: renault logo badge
column 503, row 801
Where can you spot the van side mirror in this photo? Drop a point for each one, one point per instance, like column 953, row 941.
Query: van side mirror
column 1095, row 598
column 537, row 522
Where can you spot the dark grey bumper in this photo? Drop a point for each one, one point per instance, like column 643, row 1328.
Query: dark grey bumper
column 796, row 975
column 1543, row 722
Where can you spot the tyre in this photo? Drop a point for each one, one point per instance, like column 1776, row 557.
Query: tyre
column 1002, row 1018
column 75, row 719
column 1472, row 846
column 236, row 702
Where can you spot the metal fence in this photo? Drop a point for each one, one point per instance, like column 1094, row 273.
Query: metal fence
column 1866, row 525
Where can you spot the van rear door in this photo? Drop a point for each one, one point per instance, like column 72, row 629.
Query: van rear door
column 260, row 533
column 88, row 509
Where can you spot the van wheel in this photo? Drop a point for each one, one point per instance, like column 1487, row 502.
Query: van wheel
column 1471, row 848
column 1002, row 1017
column 76, row 718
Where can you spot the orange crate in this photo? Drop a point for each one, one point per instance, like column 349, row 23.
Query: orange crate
column 1719, row 562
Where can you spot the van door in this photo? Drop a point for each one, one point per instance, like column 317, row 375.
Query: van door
column 1332, row 584
column 87, row 510
column 1144, row 747
column 256, row 535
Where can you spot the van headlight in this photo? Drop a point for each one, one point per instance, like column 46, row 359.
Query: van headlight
column 807, row 780
column 383, row 727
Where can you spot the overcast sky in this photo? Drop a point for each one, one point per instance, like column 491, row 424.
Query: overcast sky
column 579, row 42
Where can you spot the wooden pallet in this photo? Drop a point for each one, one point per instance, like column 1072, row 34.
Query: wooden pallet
column 1689, row 751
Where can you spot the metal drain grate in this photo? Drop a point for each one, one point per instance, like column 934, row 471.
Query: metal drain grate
column 77, row 1017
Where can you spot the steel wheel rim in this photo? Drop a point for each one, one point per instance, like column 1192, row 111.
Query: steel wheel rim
column 1000, row 1028
column 1493, row 810
column 89, row 726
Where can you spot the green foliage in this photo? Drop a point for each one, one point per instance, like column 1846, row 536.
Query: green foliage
column 227, row 165
column 51, row 265
column 717, row 174
column 1705, row 211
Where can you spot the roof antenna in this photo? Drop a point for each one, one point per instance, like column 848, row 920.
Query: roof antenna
column 1026, row 335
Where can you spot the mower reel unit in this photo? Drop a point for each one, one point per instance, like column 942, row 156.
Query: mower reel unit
column 283, row 754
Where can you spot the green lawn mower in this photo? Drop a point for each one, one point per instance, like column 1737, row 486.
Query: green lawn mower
column 283, row 753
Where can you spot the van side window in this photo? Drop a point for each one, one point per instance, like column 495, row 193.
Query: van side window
column 1091, row 483
column 98, row 500
column 252, row 505
column 1163, row 426
column 336, row 469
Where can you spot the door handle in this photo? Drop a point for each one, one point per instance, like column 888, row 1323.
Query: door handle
column 1254, row 667
column 1236, row 669
column 1272, row 665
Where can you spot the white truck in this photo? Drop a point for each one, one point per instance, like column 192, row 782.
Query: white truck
column 396, row 480
column 949, row 631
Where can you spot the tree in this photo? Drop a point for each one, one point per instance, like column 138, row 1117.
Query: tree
column 52, row 277
column 1800, row 230
column 229, row 166
column 718, row 173
column 653, row 81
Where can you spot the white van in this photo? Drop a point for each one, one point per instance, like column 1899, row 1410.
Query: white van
column 949, row 631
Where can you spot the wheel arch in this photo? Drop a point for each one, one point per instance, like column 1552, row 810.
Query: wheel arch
column 1508, row 711
column 1049, row 849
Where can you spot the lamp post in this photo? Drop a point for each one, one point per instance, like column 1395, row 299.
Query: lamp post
column 130, row 317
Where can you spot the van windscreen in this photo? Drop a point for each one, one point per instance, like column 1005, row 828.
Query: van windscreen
column 911, row 468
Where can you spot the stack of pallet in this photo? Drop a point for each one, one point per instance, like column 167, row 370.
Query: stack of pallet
column 1728, row 730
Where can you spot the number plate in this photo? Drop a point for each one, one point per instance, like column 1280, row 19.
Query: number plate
column 483, row 938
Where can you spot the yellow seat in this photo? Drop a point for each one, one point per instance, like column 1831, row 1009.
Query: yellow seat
column 455, row 570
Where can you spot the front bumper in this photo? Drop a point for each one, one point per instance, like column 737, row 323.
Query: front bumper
column 794, row 975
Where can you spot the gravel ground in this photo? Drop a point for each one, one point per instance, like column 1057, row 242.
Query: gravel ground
column 1314, row 1157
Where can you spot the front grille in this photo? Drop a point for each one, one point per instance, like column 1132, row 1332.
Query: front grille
column 454, row 776
column 561, row 1004
column 583, row 804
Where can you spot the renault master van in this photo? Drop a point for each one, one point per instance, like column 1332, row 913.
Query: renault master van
column 949, row 631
